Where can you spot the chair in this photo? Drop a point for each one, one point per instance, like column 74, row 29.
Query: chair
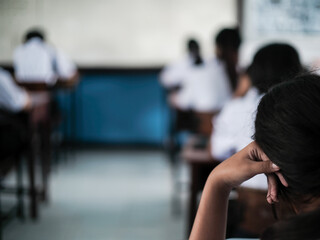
column 201, row 164
column 11, row 150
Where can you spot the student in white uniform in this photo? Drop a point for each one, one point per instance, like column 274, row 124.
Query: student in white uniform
column 12, row 97
column 286, row 149
column 35, row 61
column 223, row 67
column 193, row 77
column 13, row 100
column 233, row 127
column 205, row 87
column 173, row 75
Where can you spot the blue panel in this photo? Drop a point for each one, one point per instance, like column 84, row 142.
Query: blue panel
column 120, row 108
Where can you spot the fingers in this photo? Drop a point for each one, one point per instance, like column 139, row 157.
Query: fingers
column 272, row 195
column 282, row 179
column 264, row 167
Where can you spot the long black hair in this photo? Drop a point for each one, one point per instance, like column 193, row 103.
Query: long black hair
column 287, row 128
column 228, row 41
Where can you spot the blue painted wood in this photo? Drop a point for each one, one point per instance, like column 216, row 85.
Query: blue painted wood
column 118, row 108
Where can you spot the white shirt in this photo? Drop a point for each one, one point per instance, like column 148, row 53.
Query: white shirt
column 36, row 61
column 12, row 97
column 174, row 74
column 233, row 130
column 204, row 88
column 219, row 86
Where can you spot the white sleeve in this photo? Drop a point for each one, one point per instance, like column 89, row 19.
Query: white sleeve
column 12, row 97
column 224, row 133
column 172, row 75
column 65, row 67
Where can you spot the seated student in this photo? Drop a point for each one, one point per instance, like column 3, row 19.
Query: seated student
column 286, row 149
column 178, row 78
column 189, row 78
column 233, row 127
column 35, row 61
column 223, row 66
column 205, row 87
column 12, row 97
column 172, row 76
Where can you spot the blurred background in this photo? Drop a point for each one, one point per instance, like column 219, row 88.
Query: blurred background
column 101, row 155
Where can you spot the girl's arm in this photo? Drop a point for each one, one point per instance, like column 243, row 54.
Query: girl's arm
column 210, row 222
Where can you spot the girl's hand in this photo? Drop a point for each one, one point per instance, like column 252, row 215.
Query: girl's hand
column 245, row 164
column 210, row 222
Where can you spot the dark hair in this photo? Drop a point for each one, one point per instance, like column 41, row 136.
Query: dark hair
column 228, row 38
column 272, row 64
column 300, row 227
column 34, row 33
column 194, row 50
column 228, row 41
column 287, row 128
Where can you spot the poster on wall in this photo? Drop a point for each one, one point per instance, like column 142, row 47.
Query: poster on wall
column 296, row 22
column 270, row 17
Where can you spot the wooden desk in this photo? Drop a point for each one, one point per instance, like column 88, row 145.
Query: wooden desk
column 38, row 85
column 256, row 211
column 201, row 164
column 8, row 163
column 40, row 123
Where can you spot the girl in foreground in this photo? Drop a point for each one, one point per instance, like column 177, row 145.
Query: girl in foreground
column 287, row 150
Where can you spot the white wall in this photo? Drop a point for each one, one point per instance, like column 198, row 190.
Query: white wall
column 116, row 32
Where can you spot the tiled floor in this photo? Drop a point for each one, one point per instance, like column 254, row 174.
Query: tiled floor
column 116, row 195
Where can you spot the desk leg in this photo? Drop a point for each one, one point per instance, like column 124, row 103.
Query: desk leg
column 1, row 224
column 45, row 159
column 193, row 196
column 20, row 212
column 32, row 187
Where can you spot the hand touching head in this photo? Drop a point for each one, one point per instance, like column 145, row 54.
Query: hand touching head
column 287, row 128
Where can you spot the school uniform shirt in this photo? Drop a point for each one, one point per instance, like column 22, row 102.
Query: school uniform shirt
column 174, row 74
column 12, row 97
column 218, row 84
column 233, row 130
column 37, row 61
column 204, row 87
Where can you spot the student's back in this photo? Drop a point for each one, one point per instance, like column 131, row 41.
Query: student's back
column 37, row 62
column 272, row 64
column 33, row 61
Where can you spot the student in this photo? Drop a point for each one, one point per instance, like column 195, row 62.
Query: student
column 13, row 100
column 223, row 67
column 12, row 97
column 191, row 80
column 233, row 127
column 286, row 149
column 205, row 87
column 173, row 76
column 35, row 61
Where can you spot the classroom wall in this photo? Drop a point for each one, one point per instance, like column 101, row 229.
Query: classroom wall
column 116, row 32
